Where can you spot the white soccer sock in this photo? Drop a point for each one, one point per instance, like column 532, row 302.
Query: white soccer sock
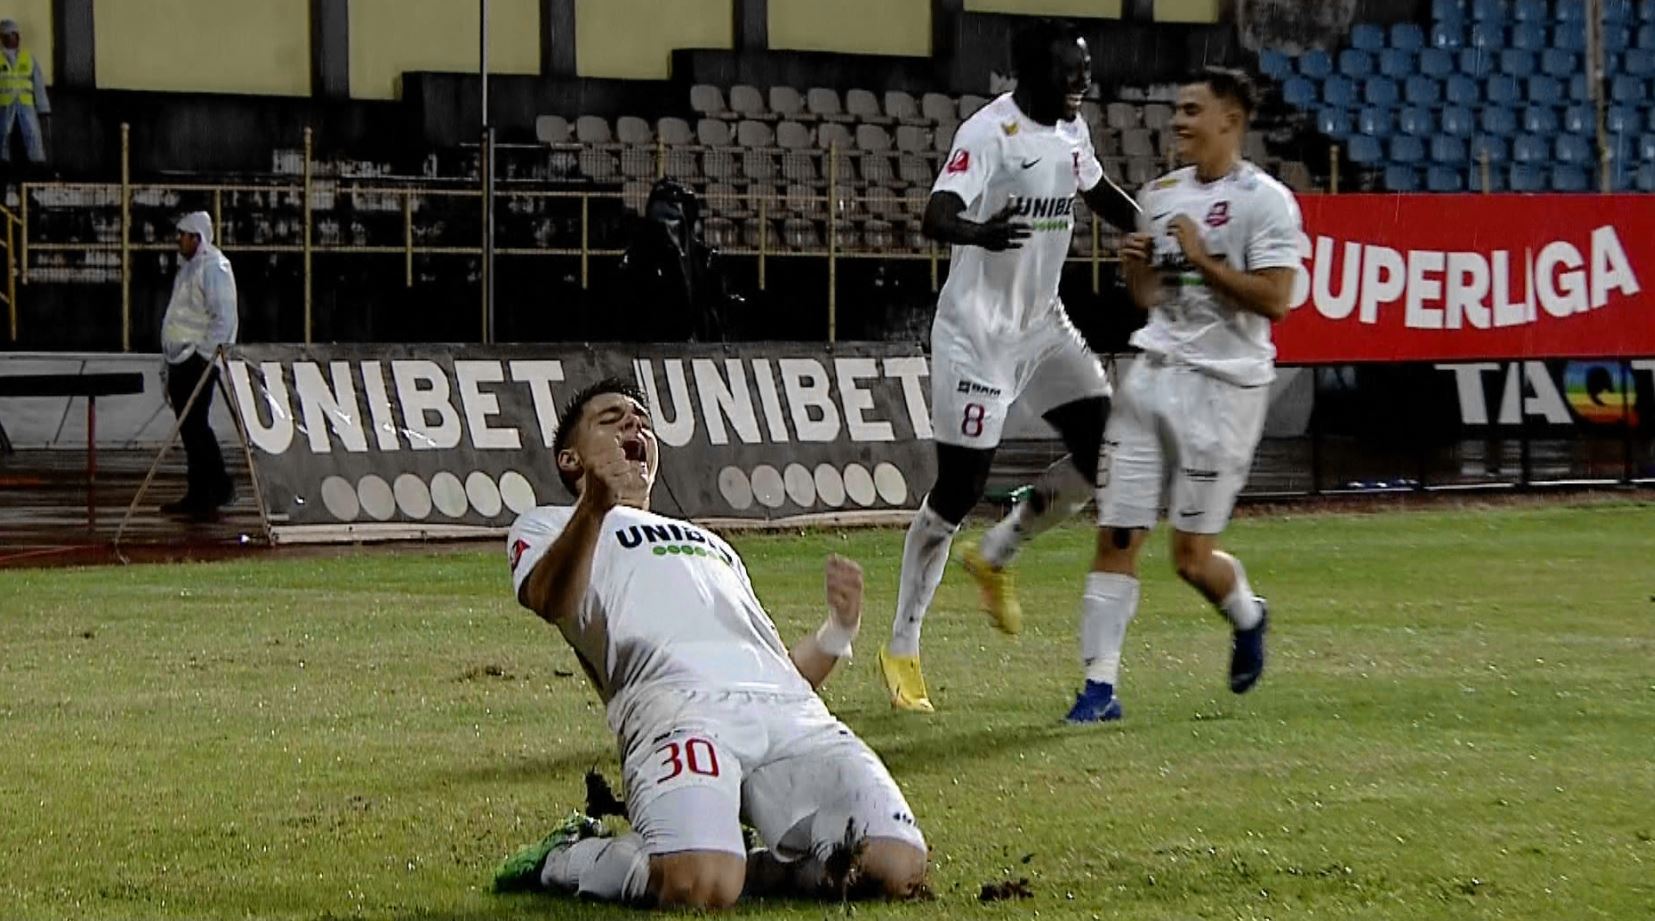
column 1110, row 601
column 1241, row 605
column 606, row 869
column 924, row 555
column 1058, row 493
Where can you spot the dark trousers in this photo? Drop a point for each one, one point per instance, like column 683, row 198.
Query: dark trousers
column 209, row 483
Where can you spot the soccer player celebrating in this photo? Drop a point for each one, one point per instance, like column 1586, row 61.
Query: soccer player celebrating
column 1214, row 266
column 717, row 720
column 1005, row 200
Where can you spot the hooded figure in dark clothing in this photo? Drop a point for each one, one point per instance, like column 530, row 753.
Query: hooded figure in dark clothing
column 671, row 276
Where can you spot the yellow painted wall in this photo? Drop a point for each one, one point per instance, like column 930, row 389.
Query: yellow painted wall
column 215, row 46
column 854, row 26
column 634, row 39
column 34, row 17
column 389, row 37
column 1186, row 10
column 1090, row 9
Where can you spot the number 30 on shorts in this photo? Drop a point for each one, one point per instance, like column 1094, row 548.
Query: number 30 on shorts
column 972, row 425
column 694, row 754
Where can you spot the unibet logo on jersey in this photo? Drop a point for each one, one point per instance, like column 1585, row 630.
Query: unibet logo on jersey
column 1048, row 215
column 670, row 539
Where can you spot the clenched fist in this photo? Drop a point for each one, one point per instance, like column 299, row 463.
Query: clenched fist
column 844, row 591
column 613, row 477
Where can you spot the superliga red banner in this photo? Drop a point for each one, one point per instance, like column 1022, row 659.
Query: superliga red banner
column 1442, row 277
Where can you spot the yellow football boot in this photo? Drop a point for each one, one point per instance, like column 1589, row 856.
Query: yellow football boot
column 904, row 682
column 999, row 592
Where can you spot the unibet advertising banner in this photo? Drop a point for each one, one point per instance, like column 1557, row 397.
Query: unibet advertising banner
column 461, row 435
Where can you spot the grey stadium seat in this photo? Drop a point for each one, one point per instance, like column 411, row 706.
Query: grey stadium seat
column 599, row 165
column 834, row 134
column 747, row 102
column 713, row 132
column 872, row 137
column 803, row 199
column 791, row 135
column 1106, row 143
column 1136, row 142
column 635, row 195
column 1252, row 147
column 708, row 101
column 1157, row 116
column 915, row 170
column 755, row 134
column 798, row 167
column 758, row 165
column 785, row 102
column 942, row 137
column 720, row 164
column 912, row 139
column 938, row 108
column 902, row 107
column 883, row 203
column 1121, row 115
column 630, row 129
column 552, row 129
column 723, row 199
column 1141, row 170
column 864, row 107
column 674, row 131
column 824, row 103
column 877, row 169
column 969, row 104
column 590, row 129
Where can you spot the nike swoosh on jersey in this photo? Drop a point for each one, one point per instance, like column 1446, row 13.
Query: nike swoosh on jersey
column 1030, row 163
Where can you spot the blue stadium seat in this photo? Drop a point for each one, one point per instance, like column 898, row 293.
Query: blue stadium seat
column 1417, row 121
column 1530, row 11
column 1463, row 91
column 1499, row 120
column 1616, row 37
column 1381, row 91
column 1488, row 10
column 1646, row 36
column 1365, row 149
column 1579, row 89
column 1646, row 10
column 1528, row 36
column 1315, row 63
column 1374, row 122
column 1572, row 148
column 1580, row 119
column 1559, row 63
column 1476, row 62
column 1618, row 11
column 1546, row 91
column 1447, row 35
column 1493, row 147
column 1405, row 149
column 1646, row 148
column 1570, row 36
column 1355, row 63
column 1447, row 150
column 1570, row 179
column 1298, row 92
column 1531, row 148
column 1400, row 178
column 1623, row 120
column 1397, row 64
column 1407, row 37
column 1333, row 122
column 1540, row 120
column 1444, row 179
column 1503, row 89
column 1339, row 91
column 1422, row 91
column 1458, row 121
column 1447, row 9
column 1621, row 175
column 1525, row 178
column 1638, row 62
column 1626, row 89
column 1571, row 10
column 1274, row 64
column 1489, row 35
column 1645, row 182
column 1435, row 62
column 1367, row 37
column 1516, row 62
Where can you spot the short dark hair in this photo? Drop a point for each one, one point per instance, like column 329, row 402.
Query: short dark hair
column 1229, row 84
column 576, row 407
column 1031, row 46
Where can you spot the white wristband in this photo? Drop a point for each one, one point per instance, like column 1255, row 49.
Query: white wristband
column 834, row 639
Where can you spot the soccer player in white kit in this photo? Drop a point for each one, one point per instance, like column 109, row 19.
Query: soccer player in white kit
column 1005, row 200
column 717, row 721
column 1214, row 265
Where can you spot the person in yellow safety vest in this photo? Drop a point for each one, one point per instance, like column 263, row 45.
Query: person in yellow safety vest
column 23, row 101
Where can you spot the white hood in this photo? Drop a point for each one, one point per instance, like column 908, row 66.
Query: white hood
column 199, row 223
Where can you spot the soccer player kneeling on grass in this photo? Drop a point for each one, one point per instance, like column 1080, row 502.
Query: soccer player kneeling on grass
column 717, row 721
column 1213, row 264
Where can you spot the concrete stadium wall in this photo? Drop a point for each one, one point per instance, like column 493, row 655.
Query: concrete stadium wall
column 390, row 37
column 901, row 27
column 226, row 46
column 634, row 39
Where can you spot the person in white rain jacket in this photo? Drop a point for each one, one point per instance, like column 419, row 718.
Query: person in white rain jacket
column 201, row 316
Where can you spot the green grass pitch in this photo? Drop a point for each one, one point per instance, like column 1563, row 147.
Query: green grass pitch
column 1458, row 721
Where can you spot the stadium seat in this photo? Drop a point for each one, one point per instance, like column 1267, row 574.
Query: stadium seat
column 1503, row 89
column 1646, row 37
column 1447, row 9
column 1274, row 64
column 1645, row 149
column 747, row 102
column 902, row 107
column 1617, row 38
column 1435, row 62
column 1570, row 10
column 1422, row 91
column 1355, row 63
column 1579, row 89
column 1618, row 11
column 1463, row 91
column 713, row 132
column 1367, row 37
column 720, row 163
column 755, row 134
column 1627, row 89
column 1449, row 150
column 1486, row 35
column 1488, row 10
column 863, row 106
column 1580, row 120
column 1333, row 122
column 674, row 132
column 1623, row 120
column 1638, row 62
column 1141, row 170
column 1407, row 36
column 552, row 129
column 1499, row 120
column 1475, row 62
column 1296, row 91
column 1458, row 121
column 1559, row 63
column 1136, row 142
column 708, row 102
column 1406, row 149
column 1569, row 37
column 1374, row 122
column 1157, row 116
column 1397, row 64
column 1252, row 147
column 1530, row 11
column 1570, row 179
column 1417, row 121
column 970, row 103
column 1645, row 180
column 1381, row 91
column 1540, row 120
column 1517, row 62
column 1546, row 91
column 912, row 139
column 823, row 103
column 1444, row 179
column 598, row 165
column 1572, row 148
column 791, row 135
column 1123, row 115
column 1365, row 150
column 1530, row 148
column 872, row 138
column 758, row 166
column 1525, row 178
column 942, row 136
column 914, row 170
column 938, row 108
column 1646, row 10
column 1494, row 148
column 630, row 129
column 1528, row 36
column 837, row 136
column 592, row 129
column 1316, row 64
column 1341, row 91
column 786, row 102
column 1447, row 35
column 1399, row 178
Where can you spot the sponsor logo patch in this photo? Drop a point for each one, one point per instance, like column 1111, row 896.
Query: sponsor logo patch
column 960, row 162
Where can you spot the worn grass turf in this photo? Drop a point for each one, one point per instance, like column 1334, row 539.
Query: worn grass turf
column 1458, row 722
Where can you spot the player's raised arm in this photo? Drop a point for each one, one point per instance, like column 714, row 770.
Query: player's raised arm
column 816, row 655
column 559, row 578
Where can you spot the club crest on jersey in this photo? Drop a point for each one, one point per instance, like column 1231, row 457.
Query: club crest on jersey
column 1076, row 154
column 1218, row 215
column 1010, row 128
column 960, row 162
column 1165, row 183
column 518, row 548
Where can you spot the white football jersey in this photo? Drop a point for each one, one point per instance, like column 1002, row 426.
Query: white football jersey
column 669, row 605
column 1249, row 220
column 998, row 155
